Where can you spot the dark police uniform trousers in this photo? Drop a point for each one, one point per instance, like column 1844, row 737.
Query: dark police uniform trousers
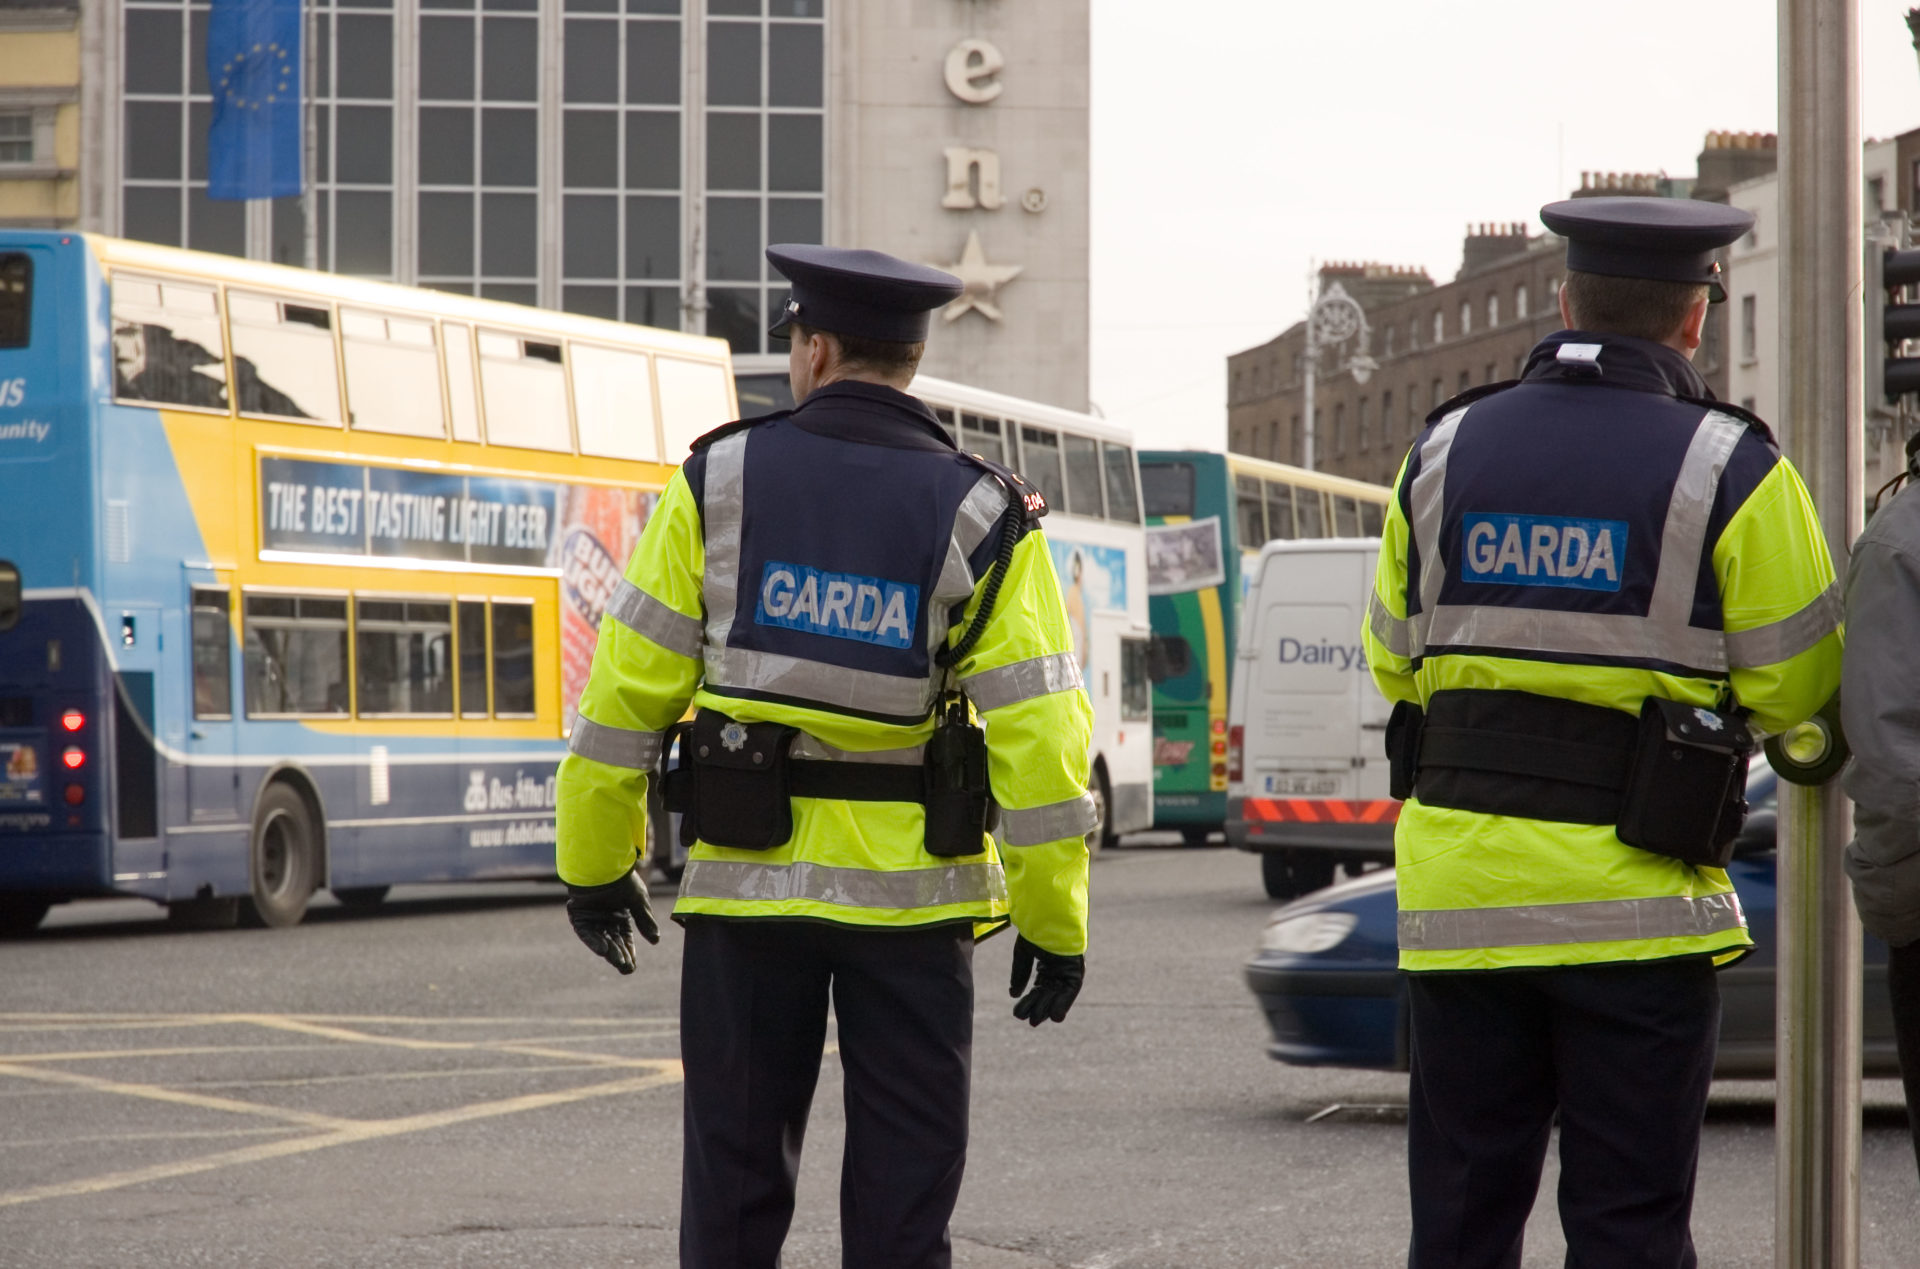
column 753, row 1022
column 1495, row 1053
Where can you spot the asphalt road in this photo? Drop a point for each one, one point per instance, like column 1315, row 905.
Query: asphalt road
column 453, row 1080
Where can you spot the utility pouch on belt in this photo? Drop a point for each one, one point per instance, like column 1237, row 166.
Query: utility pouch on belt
column 1404, row 726
column 958, row 800
column 1685, row 792
column 733, row 785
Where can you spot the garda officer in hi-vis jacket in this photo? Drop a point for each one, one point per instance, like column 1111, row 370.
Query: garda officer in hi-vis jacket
column 867, row 624
column 1595, row 585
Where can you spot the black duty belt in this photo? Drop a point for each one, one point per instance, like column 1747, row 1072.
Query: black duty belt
column 857, row 781
column 1515, row 753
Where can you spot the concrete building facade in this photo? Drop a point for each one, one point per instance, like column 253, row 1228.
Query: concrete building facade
column 632, row 158
column 39, row 113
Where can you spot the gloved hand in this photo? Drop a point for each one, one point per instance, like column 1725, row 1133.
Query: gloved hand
column 600, row 917
column 1054, row 987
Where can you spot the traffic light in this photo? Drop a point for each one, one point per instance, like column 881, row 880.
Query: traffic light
column 1890, row 323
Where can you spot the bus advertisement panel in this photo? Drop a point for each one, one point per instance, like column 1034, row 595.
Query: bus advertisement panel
column 303, row 573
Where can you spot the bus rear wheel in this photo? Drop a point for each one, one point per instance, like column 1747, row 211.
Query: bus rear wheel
column 20, row 915
column 285, row 859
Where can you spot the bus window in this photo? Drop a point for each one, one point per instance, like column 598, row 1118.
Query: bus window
column 693, row 401
column 513, row 658
column 525, row 390
column 1346, row 517
column 1040, row 464
column 393, row 374
column 403, row 653
column 16, row 299
column 613, row 403
column 296, row 654
column 1310, row 513
column 982, row 436
column 1373, row 518
column 1136, row 690
column 1249, row 518
column 212, row 655
column 9, row 597
column 167, row 346
column 1122, row 502
column 1168, row 657
column 945, row 416
column 1280, row 510
column 1083, row 476
column 473, row 658
column 461, row 395
column 283, row 362
column 1167, row 488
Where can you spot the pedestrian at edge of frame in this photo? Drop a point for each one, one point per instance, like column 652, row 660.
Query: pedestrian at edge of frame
column 886, row 761
column 1597, row 586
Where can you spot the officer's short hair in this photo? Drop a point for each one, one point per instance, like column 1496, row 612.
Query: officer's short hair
column 1644, row 308
column 876, row 356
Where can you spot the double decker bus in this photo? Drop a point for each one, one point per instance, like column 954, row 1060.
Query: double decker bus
column 1086, row 468
column 300, row 575
column 1208, row 515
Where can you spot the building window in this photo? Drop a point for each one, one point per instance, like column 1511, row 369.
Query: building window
column 1360, row 424
column 1294, row 440
column 1413, row 333
column 1466, row 316
column 1339, row 429
column 1466, row 381
column 1749, row 329
column 1520, row 300
column 1876, row 195
column 1386, row 416
column 1413, row 407
column 1439, row 327
column 1493, row 310
column 16, row 137
column 1386, row 338
column 1439, row 393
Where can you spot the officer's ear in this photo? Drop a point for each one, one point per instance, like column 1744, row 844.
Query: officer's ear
column 1695, row 322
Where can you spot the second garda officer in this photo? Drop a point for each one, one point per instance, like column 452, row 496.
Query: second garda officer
column 1594, row 586
column 838, row 592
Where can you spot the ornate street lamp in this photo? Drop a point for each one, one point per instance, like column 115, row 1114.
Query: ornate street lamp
column 1336, row 318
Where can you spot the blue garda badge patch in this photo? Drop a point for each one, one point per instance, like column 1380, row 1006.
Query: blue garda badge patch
column 1515, row 550
column 842, row 605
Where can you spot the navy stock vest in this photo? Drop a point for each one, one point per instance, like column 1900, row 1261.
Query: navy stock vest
column 842, row 539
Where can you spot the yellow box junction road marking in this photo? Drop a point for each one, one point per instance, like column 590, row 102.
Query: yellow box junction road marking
column 331, row 1130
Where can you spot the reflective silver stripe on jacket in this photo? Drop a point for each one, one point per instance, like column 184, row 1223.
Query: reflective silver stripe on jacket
column 722, row 500
column 978, row 513
column 1022, row 681
column 615, row 746
column 815, row 749
column 1396, row 633
column 1599, row 921
column 833, row 686
column 845, row 887
column 1666, row 633
column 1787, row 638
column 652, row 619
column 1038, row 825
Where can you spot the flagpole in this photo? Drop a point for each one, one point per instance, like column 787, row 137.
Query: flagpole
column 309, row 197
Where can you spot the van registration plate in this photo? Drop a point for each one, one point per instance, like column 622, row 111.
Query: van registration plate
column 1307, row 786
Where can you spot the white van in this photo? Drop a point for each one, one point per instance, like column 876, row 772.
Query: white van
column 1306, row 728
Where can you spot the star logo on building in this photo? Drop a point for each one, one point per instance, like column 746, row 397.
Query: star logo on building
column 981, row 279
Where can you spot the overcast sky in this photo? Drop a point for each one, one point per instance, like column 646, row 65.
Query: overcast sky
column 1236, row 142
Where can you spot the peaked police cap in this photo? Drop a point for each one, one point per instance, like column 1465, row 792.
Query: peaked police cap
column 1665, row 239
column 856, row 292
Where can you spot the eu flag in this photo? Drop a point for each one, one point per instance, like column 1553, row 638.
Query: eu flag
column 253, row 65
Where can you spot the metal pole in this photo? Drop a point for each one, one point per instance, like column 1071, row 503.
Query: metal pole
column 1817, row 1108
column 1306, row 418
column 309, row 150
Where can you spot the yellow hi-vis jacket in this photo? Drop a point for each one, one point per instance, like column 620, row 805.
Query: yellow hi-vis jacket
column 1715, row 574
column 858, row 863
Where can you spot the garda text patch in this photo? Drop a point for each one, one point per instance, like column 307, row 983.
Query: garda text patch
column 1511, row 550
column 843, row 605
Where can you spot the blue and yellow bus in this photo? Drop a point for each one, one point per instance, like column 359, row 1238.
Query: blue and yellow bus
column 1208, row 515
column 300, row 575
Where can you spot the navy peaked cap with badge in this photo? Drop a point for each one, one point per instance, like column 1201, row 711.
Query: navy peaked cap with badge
column 1665, row 239
column 850, row 291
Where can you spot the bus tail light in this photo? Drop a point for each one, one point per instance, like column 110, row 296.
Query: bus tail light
column 1236, row 753
column 73, row 720
column 76, row 794
column 74, row 758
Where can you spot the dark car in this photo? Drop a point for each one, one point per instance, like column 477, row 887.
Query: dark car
column 1326, row 970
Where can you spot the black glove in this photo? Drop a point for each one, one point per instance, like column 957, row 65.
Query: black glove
column 1054, row 988
column 599, row 915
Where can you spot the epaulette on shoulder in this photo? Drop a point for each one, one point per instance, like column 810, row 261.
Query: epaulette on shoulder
column 1033, row 503
column 1467, row 398
column 738, row 425
column 1752, row 420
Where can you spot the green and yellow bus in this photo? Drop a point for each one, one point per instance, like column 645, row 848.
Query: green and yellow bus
column 1207, row 515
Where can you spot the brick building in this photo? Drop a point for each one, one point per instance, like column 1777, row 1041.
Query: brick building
column 1432, row 341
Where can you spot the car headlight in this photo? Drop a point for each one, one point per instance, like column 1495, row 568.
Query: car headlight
column 1309, row 932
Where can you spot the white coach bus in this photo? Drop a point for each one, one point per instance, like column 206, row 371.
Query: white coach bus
column 1086, row 468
